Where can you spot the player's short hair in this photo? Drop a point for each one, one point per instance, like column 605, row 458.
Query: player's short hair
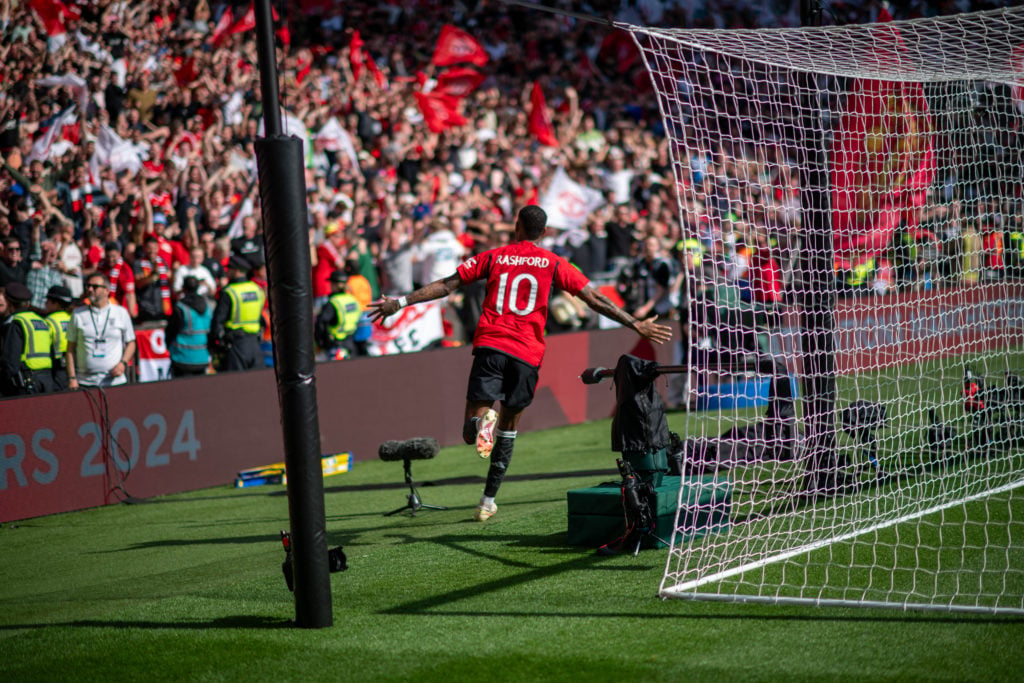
column 534, row 221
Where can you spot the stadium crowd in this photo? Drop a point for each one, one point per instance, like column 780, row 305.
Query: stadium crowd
column 127, row 129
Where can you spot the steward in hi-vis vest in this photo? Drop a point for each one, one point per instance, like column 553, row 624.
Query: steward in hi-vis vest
column 58, row 315
column 237, row 319
column 338, row 320
column 188, row 331
column 26, row 347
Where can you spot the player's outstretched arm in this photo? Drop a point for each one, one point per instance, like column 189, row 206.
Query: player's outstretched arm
column 386, row 306
column 647, row 328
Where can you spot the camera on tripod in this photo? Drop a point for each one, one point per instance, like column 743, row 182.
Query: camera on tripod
column 637, row 495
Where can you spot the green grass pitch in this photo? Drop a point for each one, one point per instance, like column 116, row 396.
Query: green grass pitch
column 188, row 587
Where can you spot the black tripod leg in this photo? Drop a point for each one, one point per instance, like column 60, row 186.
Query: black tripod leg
column 413, row 497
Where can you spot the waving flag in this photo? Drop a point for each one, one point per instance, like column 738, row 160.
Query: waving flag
column 619, row 49
column 439, row 111
column 74, row 82
column 50, row 142
column 337, row 139
column 882, row 158
column 53, row 14
column 114, row 151
column 355, row 55
column 458, row 81
column 455, row 46
column 220, row 31
column 248, row 23
column 539, row 124
column 567, row 203
column 378, row 75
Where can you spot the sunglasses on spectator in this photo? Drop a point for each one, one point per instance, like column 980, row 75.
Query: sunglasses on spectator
column 95, row 285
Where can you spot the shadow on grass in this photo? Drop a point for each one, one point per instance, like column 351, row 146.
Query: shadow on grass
column 588, row 559
column 234, row 622
column 582, row 559
column 349, row 536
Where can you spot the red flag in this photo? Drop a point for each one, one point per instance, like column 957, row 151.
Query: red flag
column 355, row 55
column 53, row 14
column 303, row 65
column 618, row 47
column 882, row 159
column 455, row 46
column 458, row 81
column 378, row 76
column 539, row 124
column 439, row 111
column 283, row 33
column 248, row 23
column 220, row 31
column 184, row 70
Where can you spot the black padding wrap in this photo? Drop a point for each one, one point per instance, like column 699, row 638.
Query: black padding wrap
column 420, row 448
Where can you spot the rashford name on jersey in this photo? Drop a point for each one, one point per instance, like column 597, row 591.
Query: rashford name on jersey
column 520, row 278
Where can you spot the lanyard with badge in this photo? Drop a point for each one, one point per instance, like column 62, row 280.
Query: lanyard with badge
column 99, row 349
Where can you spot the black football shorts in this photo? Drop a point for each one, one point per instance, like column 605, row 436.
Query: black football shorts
column 499, row 377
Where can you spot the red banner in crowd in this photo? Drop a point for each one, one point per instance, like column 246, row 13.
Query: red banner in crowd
column 618, row 47
column 882, row 159
column 539, row 123
column 355, row 55
column 455, row 46
column 154, row 360
column 247, row 23
column 458, row 82
column 53, row 14
column 439, row 111
column 411, row 329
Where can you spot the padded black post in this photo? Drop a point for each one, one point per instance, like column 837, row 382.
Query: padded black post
column 283, row 200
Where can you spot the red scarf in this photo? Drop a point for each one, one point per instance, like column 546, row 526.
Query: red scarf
column 161, row 270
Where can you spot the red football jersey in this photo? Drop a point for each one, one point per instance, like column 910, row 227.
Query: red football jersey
column 520, row 280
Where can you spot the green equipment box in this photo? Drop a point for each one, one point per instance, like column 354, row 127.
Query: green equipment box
column 597, row 518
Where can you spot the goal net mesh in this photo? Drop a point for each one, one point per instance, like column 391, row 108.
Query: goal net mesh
column 871, row 176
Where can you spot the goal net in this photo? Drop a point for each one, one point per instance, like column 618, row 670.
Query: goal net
column 853, row 254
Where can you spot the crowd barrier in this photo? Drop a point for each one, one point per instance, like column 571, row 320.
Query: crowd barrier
column 82, row 449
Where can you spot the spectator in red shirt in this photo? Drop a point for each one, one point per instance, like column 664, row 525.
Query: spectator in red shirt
column 508, row 346
column 330, row 256
column 122, row 280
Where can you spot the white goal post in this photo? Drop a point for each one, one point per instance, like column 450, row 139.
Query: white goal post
column 856, row 309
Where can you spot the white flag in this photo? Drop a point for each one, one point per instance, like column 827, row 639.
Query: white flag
column 568, row 203
column 76, row 83
column 50, row 142
column 114, row 151
column 337, row 139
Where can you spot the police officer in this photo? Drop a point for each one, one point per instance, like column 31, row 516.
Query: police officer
column 188, row 331
column 237, row 319
column 26, row 347
column 58, row 315
column 338, row 320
